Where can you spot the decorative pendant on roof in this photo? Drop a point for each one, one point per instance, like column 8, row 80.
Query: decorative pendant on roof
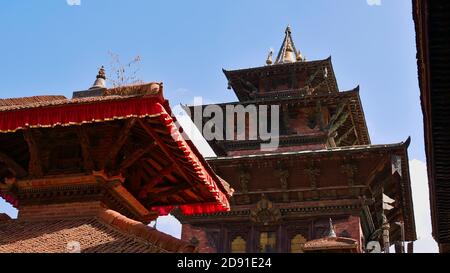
column 100, row 82
column 288, row 53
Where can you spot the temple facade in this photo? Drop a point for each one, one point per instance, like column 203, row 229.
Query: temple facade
column 325, row 188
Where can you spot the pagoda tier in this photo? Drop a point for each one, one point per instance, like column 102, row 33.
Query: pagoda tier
column 289, row 73
column 324, row 166
column 312, row 77
column 306, row 122
column 301, row 190
column 127, row 135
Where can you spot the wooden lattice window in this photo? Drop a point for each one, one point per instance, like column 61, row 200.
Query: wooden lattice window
column 297, row 244
column 238, row 245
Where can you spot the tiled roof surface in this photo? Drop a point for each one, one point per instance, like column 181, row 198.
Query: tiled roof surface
column 29, row 100
column 60, row 101
column 120, row 93
column 331, row 243
column 109, row 232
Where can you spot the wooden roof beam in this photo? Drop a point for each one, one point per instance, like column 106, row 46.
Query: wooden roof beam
column 15, row 167
column 354, row 125
column 375, row 171
column 121, row 139
column 345, row 136
column 155, row 180
column 153, row 197
column 83, row 137
column 166, row 150
column 35, row 163
column 135, row 156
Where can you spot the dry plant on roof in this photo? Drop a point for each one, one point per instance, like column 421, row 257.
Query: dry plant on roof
column 123, row 74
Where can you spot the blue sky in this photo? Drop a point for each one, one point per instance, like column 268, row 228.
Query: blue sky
column 50, row 47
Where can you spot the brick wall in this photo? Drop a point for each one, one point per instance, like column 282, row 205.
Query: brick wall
column 76, row 209
column 188, row 232
column 352, row 225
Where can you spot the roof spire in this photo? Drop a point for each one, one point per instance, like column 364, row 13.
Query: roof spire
column 269, row 60
column 101, row 78
column 288, row 53
column 332, row 233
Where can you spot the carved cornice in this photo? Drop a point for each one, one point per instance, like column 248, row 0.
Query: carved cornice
column 286, row 141
column 277, row 212
column 79, row 188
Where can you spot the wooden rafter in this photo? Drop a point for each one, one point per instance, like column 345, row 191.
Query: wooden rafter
column 168, row 191
column 135, row 182
column 378, row 168
column 339, row 122
column 135, row 156
column 120, row 141
column 158, row 166
column 165, row 149
column 354, row 125
column 35, row 163
column 15, row 167
column 83, row 138
column 163, row 146
column 155, row 180
column 345, row 136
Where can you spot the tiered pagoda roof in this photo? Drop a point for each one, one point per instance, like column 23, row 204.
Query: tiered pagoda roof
column 325, row 164
column 102, row 164
column 353, row 131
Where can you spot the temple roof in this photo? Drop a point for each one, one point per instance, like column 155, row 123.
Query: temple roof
column 371, row 161
column 320, row 72
column 331, row 244
column 11, row 102
column 289, row 98
column 359, row 148
column 148, row 115
column 109, row 232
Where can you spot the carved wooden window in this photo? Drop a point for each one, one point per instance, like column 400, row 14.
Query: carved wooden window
column 267, row 242
column 238, row 245
column 297, row 244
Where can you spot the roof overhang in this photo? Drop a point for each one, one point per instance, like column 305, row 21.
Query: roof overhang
column 149, row 114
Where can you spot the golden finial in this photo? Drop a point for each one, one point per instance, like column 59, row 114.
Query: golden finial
column 101, row 73
column 100, row 81
column 287, row 58
column 299, row 56
column 269, row 60
column 288, row 29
